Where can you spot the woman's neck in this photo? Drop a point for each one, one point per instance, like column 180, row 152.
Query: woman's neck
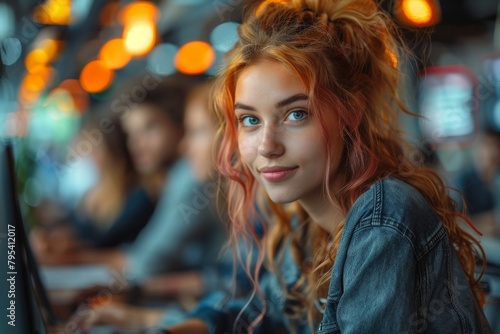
column 323, row 212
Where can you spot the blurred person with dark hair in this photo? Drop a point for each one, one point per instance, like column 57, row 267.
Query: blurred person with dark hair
column 184, row 233
column 152, row 129
column 115, row 209
column 197, row 148
column 184, row 236
column 154, row 126
column 480, row 186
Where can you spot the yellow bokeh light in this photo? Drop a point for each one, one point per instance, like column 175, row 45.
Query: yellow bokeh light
column 194, row 57
column 114, row 55
column 51, row 48
column 60, row 11
column 139, row 37
column 138, row 11
column 53, row 12
column 35, row 60
column 38, row 58
column 418, row 11
column 96, row 77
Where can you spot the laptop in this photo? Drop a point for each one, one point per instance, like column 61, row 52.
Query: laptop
column 27, row 306
column 17, row 302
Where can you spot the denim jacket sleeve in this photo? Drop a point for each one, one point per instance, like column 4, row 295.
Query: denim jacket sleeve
column 377, row 286
column 224, row 314
column 396, row 270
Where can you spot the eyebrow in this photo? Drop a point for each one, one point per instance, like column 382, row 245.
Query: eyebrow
column 280, row 104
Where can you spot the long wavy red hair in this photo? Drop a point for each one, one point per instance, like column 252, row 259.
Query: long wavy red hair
column 346, row 52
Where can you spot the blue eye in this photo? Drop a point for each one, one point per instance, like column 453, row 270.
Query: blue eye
column 249, row 120
column 297, row 115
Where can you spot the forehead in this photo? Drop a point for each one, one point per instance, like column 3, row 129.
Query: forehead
column 267, row 79
column 198, row 115
column 142, row 113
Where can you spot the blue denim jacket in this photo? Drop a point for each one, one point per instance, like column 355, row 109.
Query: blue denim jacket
column 395, row 272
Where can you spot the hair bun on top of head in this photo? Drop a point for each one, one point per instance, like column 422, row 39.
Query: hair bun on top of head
column 355, row 25
column 328, row 10
column 322, row 15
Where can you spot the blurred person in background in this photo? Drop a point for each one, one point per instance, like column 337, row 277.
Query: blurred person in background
column 481, row 194
column 176, row 254
column 115, row 209
column 185, row 234
column 197, row 148
column 154, row 128
column 479, row 183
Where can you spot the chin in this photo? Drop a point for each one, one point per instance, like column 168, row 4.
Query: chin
column 201, row 177
column 281, row 197
column 146, row 169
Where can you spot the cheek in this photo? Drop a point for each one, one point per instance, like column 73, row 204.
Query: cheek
column 247, row 146
column 168, row 140
column 309, row 144
column 206, row 152
column 200, row 150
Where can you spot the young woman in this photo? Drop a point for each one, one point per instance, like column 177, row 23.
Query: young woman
column 308, row 103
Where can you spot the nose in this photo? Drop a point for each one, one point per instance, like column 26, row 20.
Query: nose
column 135, row 143
column 271, row 144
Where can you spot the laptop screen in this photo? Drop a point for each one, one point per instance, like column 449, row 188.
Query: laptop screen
column 23, row 294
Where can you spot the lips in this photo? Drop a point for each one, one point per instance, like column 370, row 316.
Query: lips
column 277, row 173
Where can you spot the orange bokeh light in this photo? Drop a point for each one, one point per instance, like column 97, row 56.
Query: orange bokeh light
column 38, row 80
column 96, row 77
column 114, row 55
column 139, row 37
column 26, row 96
column 194, row 57
column 418, row 11
column 33, row 82
column 139, row 11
